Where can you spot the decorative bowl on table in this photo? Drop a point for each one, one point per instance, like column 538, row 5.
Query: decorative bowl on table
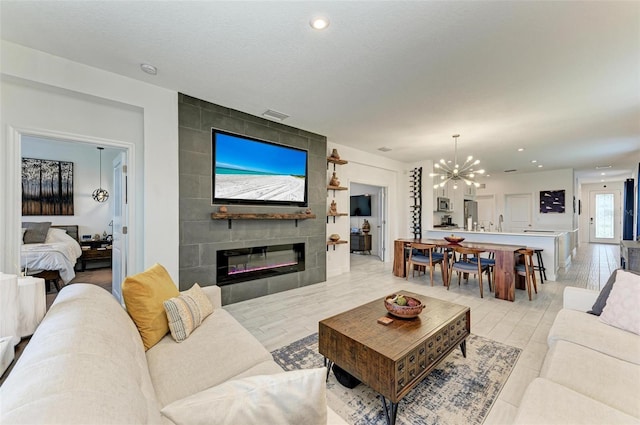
column 453, row 239
column 403, row 306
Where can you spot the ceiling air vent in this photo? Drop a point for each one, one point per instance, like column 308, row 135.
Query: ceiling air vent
column 510, row 171
column 275, row 115
column 384, row 149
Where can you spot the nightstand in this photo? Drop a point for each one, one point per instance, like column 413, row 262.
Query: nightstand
column 95, row 251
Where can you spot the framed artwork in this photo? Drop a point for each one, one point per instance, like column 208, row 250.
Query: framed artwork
column 47, row 187
column 552, row 201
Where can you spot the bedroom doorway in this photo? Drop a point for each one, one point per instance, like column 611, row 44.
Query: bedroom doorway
column 95, row 220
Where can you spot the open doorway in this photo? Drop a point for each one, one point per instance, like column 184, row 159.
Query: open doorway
column 367, row 217
column 92, row 169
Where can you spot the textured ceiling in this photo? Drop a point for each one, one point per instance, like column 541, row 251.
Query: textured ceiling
column 560, row 79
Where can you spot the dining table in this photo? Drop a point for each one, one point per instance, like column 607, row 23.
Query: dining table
column 504, row 275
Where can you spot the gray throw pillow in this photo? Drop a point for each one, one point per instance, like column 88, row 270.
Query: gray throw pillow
column 601, row 301
column 36, row 232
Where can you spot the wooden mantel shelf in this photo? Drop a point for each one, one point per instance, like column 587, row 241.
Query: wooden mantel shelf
column 261, row 216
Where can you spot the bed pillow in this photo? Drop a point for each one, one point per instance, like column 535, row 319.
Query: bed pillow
column 295, row 397
column 186, row 312
column 36, row 232
column 144, row 295
column 56, row 235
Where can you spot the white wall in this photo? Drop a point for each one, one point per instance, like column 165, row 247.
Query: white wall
column 374, row 170
column 90, row 216
column 533, row 183
column 60, row 87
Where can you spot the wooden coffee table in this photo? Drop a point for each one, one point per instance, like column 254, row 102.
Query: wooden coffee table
column 393, row 359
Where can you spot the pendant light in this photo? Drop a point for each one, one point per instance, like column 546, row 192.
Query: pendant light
column 466, row 173
column 100, row 194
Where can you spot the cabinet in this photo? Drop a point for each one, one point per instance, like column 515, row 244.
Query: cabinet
column 95, row 251
column 445, row 191
column 360, row 242
column 469, row 191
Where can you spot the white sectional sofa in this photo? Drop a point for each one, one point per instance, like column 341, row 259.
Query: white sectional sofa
column 86, row 364
column 590, row 374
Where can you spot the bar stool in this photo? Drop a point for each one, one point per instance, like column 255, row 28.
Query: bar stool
column 540, row 266
column 527, row 270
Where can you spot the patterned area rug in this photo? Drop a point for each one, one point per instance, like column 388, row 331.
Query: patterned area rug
column 458, row 391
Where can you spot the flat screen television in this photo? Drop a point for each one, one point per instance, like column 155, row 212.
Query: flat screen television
column 360, row 206
column 256, row 172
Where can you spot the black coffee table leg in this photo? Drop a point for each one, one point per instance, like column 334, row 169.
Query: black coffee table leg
column 328, row 363
column 463, row 347
column 390, row 412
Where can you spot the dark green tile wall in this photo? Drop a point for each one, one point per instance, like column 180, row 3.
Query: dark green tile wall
column 201, row 237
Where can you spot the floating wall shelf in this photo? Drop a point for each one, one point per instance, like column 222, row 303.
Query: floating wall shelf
column 334, row 243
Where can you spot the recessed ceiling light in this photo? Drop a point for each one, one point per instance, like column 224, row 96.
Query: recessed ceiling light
column 149, row 69
column 533, row 161
column 319, row 23
column 603, row 174
column 600, row 167
column 539, row 165
column 520, row 149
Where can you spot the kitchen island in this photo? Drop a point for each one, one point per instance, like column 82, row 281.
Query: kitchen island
column 556, row 252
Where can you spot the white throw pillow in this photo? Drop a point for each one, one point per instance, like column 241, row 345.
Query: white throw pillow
column 623, row 305
column 295, row 397
column 57, row 235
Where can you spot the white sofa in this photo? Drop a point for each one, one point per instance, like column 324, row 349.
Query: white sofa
column 86, row 364
column 590, row 374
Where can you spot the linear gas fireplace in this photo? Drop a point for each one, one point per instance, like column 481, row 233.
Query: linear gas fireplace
column 243, row 264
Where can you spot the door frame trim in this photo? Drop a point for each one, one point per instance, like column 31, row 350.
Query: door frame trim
column 13, row 197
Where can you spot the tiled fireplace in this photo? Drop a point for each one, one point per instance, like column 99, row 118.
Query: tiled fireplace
column 201, row 238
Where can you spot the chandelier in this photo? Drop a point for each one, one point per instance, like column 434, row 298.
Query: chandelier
column 100, row 194
column 465, row 173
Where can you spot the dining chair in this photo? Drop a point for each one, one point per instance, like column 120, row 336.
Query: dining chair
column 527, row 269
column 489, row 261
column 460, row 263
column 423, row 255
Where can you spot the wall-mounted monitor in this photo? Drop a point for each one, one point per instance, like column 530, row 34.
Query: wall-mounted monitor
column 360, row 206
column 257, row 172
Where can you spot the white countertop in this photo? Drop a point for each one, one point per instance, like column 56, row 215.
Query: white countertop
column 549, row 233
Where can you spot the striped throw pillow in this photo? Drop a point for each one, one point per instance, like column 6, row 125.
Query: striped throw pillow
column 187, row 311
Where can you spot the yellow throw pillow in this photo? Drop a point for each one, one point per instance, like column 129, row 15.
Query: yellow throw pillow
column 186, row 312
column 144, row 295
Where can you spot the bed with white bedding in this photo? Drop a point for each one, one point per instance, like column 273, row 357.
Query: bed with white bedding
column 59, row 252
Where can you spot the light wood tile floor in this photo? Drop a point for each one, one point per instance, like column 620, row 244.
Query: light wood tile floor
column 279, row 319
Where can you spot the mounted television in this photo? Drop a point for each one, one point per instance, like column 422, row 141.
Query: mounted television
column 256, row 172
column 360, row 206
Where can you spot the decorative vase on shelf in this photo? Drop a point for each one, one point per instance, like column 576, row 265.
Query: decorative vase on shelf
column 333, row 209
column 334, row 237
column 334, row 180
column 366, row 227
column 334, row 154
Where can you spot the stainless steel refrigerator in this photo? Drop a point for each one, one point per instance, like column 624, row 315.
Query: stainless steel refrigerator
column 470, row 211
